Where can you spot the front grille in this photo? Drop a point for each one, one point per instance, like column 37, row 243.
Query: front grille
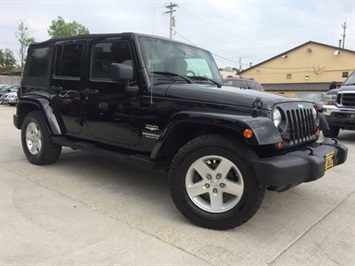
column 346, row 99
column 301, row 125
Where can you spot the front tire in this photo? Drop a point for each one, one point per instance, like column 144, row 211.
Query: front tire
column 212, row 182
column 36, row 140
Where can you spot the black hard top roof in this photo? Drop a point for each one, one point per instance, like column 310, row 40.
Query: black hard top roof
column 105, row 35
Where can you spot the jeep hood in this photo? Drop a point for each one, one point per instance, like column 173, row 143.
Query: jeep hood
column 225, row 95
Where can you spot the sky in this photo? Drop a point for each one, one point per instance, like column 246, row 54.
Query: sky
column 237, row 33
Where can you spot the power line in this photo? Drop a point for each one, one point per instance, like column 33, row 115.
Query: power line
column 185, row 38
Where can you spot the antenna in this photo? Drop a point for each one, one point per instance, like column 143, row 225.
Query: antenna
column 152, row 79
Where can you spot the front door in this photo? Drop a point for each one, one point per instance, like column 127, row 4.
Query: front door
column 111, row 113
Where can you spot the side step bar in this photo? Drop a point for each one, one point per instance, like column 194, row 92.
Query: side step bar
column 117, row 155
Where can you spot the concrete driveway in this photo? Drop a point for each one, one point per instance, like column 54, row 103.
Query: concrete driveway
column 86, row 209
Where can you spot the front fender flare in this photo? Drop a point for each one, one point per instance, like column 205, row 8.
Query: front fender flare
column 265, row 132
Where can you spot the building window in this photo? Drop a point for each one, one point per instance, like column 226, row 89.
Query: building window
column 289, row 76
column 345, row 74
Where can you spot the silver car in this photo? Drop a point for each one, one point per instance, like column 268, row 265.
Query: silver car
column 10, row 97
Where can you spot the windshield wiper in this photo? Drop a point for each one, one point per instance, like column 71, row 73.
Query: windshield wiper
column 208, row 79
column 166, row 73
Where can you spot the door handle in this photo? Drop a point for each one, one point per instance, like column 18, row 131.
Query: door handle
column 89, row 91
column 56, row 88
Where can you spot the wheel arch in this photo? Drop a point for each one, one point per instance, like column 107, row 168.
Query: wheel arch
column 185, row 126
column 28, row 104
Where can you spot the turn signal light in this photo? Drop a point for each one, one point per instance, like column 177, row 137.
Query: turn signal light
column 279, row 145
column 318, row 132
column 248, row 133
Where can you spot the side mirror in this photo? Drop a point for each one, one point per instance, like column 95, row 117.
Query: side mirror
column 333, row 85
column 121, row 72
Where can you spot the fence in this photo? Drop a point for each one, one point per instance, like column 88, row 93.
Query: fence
column 10, row 80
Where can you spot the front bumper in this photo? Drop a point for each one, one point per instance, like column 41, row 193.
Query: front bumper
column 282, row 172
column 342, row 117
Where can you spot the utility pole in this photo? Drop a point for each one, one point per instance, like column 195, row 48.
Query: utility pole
column 172, row 19
column 344, row 28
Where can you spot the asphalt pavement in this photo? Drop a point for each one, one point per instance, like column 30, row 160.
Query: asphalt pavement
column 90, row 210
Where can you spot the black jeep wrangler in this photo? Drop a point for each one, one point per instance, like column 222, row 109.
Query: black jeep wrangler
column 339, row 107
column 134, row 96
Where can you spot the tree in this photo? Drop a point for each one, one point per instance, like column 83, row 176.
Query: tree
column 60, row 28
column 236, row 70
column 23, row 36
column 7, row 60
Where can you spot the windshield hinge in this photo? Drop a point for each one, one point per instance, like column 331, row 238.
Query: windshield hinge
column 257, row 104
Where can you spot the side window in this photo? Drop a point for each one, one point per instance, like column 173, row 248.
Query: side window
column 106, row 53
column 228, row 83
column 68, row 60
column 38, row 62
column 240, row 84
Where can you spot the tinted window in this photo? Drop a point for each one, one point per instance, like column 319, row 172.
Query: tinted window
column 38, row 62
column 240, row 84
column 107, row 53
column 253, row 86
column 68, row 60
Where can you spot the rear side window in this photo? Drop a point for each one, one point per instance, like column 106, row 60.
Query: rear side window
column 38, row 62
column 68, row 60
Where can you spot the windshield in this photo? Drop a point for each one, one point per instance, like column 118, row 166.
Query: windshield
column 350, row 80
column 164, row 56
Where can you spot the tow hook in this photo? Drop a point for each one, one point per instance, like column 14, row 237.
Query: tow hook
column 311, row 150
column 335, row 141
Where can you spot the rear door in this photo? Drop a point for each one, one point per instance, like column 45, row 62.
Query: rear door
column 66, row 84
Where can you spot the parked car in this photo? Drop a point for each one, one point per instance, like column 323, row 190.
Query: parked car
column 339, row 107
column 243, row 83
column 160, row 102
column 10, row 96
column 317, row 98
column 4, row 89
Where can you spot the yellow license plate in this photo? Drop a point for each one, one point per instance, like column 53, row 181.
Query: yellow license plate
column 329, row 160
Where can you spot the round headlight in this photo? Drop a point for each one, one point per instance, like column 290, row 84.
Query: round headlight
column 276, row 116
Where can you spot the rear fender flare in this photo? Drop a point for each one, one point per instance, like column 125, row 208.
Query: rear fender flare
column 43, row 106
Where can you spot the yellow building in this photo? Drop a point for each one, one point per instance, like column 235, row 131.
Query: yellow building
column 308, row 67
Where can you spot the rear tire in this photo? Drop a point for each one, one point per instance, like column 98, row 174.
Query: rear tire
column 36, row 140
column 333, row 132
column 213, row 184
